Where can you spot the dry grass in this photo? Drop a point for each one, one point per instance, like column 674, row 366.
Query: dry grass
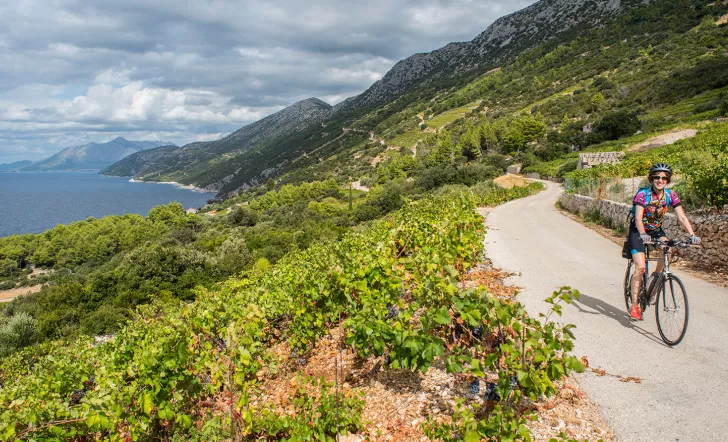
column 510, row 180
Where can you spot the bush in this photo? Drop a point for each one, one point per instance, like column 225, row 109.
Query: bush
column 723, row 108
column 16, row 332
column 496, row 160
column 106, row 320
column 8, row 268
column 380, row 201
column 617, row 124
column 529, row 160
column 567, row 167
column 711, row 183
column 242, row 216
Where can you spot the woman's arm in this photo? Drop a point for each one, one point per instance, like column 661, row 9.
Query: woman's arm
column 639, row 213
column 683, row 219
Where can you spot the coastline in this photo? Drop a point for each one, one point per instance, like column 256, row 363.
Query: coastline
column 174, row 183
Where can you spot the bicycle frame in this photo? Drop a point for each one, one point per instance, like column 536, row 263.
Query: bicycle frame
column 660, row 277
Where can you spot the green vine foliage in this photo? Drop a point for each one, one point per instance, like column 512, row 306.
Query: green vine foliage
column 393, row 288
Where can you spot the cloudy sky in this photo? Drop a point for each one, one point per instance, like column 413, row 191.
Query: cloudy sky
column 76, row 71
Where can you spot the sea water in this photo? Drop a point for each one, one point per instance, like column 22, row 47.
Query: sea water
column 31, row 202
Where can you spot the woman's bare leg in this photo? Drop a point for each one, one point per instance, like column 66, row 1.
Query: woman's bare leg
column 640, row 267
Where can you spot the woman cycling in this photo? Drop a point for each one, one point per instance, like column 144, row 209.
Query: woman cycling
column 648, row 208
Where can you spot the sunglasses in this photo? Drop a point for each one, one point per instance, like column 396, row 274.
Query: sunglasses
column 659, row 178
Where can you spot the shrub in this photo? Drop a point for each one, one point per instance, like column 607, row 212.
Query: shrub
column 380, row 200
column 16, row 332
column 567, row 167
column 8, row 267
column 242, row 216
column 617, row 124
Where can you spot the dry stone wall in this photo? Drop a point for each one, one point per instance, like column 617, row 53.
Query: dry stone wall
column 592, row 159
column 711, row 227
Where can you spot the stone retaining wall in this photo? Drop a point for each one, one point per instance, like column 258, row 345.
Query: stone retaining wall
column 712, row 228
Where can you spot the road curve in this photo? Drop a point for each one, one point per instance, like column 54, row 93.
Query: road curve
column 683, row 395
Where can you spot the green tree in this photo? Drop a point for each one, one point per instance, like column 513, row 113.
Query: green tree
column 242, row 216
column 514, row 139
column 444, row 151
column 489, row 137
column 470, row 142
column 598, row 102
column 617, row 124
column 171, row 215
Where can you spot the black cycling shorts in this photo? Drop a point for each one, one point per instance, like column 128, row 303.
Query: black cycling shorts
column 634, row 242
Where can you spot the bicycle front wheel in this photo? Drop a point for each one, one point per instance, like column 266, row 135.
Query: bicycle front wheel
column 671, row 310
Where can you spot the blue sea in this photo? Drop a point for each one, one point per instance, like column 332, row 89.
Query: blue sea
column 31, row 202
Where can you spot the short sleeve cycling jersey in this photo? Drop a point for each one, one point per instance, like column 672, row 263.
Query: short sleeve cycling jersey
column 655, row 207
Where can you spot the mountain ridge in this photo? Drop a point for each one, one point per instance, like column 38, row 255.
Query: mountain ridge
column 14, row 166
column 92, row 155
column 489, row 48
column 193, row 160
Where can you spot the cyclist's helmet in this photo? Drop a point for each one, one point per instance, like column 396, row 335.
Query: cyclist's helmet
column 660, row 167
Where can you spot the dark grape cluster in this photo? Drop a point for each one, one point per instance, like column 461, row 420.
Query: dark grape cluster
column 76, row 397
column 88, row 385
column 458, row 330
column 491, row 394
column 387, row 360
column 301, row 361
column 217, row 343
column 478, row 332
column 392, row 312
column 295, row 352
column 514, row 382
column 475, row 386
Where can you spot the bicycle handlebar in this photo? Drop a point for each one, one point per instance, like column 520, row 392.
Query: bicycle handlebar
column 671, row 243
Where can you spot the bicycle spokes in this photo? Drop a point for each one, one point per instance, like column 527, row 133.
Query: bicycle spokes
column 672, row 311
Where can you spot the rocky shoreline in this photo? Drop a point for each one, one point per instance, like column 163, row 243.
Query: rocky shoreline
column 175, row 184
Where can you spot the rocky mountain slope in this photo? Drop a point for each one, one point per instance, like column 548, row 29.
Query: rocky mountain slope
column 93, row 155
column 206, row 164
column 502, row 41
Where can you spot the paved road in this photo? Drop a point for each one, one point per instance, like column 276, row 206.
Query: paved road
column 684, row 391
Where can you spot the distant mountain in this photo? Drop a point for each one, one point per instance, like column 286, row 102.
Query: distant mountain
column 213, row 165
column 13, row 167
column 93, row 155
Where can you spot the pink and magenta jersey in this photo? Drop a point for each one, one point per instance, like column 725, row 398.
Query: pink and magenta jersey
column 655, row 207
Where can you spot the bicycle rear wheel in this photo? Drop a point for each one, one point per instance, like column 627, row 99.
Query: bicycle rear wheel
column 671, row 310
column 628, row 285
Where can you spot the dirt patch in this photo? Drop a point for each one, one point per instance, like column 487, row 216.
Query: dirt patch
column 9, row 295
column 358, row 186
column 510, row 180
column 722, row 20
column 663, row 140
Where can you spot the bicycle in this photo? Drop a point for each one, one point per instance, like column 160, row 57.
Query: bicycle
column 666, row 291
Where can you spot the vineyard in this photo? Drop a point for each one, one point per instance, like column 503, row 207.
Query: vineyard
column 195, row 371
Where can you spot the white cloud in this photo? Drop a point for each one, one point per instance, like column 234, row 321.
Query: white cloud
column 74, row 71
